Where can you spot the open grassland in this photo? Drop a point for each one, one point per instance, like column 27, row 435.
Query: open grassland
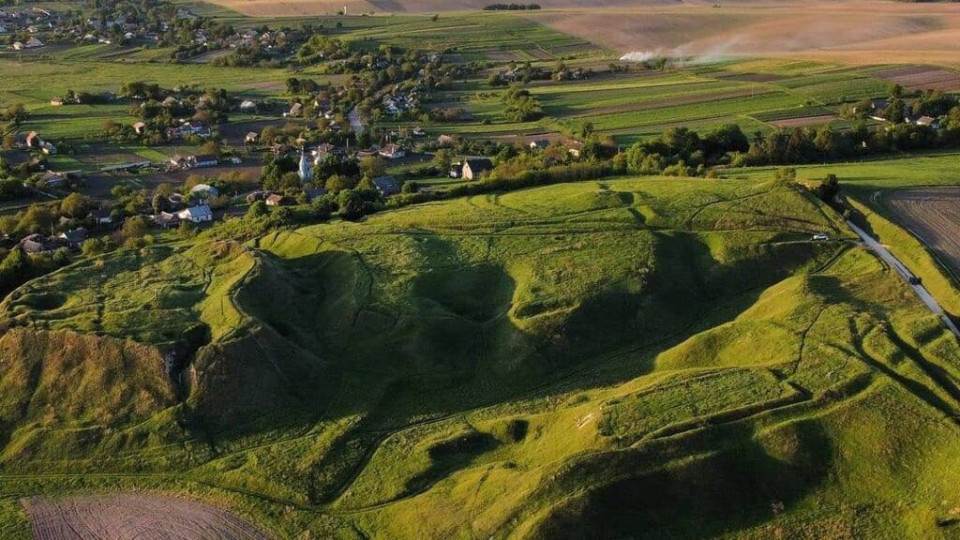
column 869, row 185
column 494, row 36
column 568, row 361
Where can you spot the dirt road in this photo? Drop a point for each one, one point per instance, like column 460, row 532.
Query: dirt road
column 133, row 516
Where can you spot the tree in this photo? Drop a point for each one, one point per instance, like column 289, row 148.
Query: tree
column 134, row 228
column 258, row 209
column 373, row 166
column 443, row 159
column 337, row 183
column 351, row 204
column 93, row 246
column 828, row 189
column 410, row 187
column 75, row 205
column 786, row 174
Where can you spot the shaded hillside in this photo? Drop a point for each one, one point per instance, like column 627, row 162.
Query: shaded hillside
column 663, row 357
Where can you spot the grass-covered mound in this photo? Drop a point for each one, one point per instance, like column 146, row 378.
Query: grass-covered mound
column 627, row 358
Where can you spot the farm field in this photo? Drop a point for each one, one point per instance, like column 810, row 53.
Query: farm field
column 134, row 516
column 933, row 215
column 820, row 31
column 426, row 370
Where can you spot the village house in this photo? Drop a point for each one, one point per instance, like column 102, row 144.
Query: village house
column 203, row 160
column 456, row 170
column 473, row 168
column 928, row 121
column 574, row 148
column 386, row 185
column 251, row 137
column 248, row 106
column 37, row 243
column 539, row 144
column 74, row 238
column 178, row 161
column 52, row 179
column 101, row 216
column 196, row 214
column 166, row 219
column 202, row 193
column 275, row 199
column 393, row 151
column 294, row 110
column 139, row 128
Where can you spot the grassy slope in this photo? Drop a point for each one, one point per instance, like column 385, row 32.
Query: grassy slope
column 581, row 358
column 867, row 183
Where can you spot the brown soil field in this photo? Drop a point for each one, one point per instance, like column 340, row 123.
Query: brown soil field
column 804, row 121
column 290, row 8
column 922, row 77
column 133, row 516
column 893, row 32
column 933, row 215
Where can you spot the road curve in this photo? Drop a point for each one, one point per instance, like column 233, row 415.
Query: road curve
column 905, row 273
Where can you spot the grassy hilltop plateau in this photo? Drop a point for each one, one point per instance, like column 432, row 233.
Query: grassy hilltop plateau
column 422, row 269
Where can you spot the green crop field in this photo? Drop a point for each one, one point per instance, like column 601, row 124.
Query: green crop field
column 544, row 363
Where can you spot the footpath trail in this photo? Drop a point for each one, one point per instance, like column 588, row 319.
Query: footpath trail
column 908, row 276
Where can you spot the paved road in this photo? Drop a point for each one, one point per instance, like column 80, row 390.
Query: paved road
column 905, row 273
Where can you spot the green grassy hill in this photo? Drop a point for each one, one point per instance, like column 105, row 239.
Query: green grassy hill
column 664, row 358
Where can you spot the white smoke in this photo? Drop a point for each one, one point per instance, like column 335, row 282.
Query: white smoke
column 689, row 53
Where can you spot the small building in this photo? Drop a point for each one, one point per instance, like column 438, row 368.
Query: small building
column 196, row 214
column 275, row 199
column 37, row 243
column 74, row 238
column 53, row 179
column 254, row 196
column 248, row 106
column 473, row 168
column 179, row 161
column 295, row 110
column 251, row 137
column 393, row 151
column 101, row 216
column 139, row 128
column 203, row 192
column 386, row 185
column 204, row 160
column 574, row 148
column 456, row 170
column 166, row 219
column 56, row 102
column 33, row 140
column 928, row 121
column 539, row 144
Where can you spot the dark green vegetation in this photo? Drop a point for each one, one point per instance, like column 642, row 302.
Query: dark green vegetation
column 577, row 360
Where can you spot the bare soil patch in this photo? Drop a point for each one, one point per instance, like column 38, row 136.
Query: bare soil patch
column 933, row 215
column 922, row 77
column 804, row 121
column 129, row 516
